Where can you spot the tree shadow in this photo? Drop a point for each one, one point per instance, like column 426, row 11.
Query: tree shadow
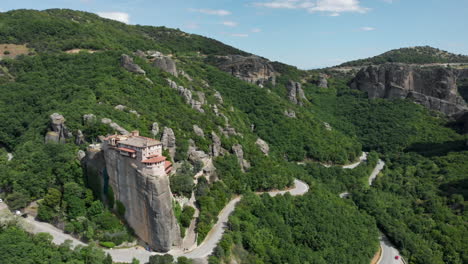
column 455, row 187
column 437, row 149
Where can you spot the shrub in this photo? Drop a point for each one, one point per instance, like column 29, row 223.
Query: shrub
column 107, row 244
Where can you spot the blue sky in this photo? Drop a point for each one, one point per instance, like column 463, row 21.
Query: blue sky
column 305, row 33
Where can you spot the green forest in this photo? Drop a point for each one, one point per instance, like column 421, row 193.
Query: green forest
column 418, row 200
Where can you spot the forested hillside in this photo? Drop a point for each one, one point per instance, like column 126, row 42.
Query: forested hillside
column 73, row 66
column 412, row 55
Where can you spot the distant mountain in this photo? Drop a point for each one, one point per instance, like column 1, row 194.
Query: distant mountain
column 414, row 55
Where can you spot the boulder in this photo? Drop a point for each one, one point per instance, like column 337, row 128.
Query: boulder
column 263, row 146
column 432, row 87
column 168, row 141
column 155, row 129
column 127, row 63
column 198, row 131
column 120, row 107
column 166, row 64
column 252, row 69
column 89, row 119
column 80, row 155
column 290, row 113
column 295, row 92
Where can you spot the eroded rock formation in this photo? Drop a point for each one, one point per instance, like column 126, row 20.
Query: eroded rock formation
column 239, row 152
column 127, row 62
column 187, row 95
column 252, row 69
column 433, row 87
column 168, row 141
column 154, row 129
column 147, row 198
column 198, row 131
column 295, row 92
column 322, row 81
column 166, row 64
column 59, row 132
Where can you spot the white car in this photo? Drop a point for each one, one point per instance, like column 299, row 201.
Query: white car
column 1, row 201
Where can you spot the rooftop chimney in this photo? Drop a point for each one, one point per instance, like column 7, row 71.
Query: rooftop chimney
column 135, row 133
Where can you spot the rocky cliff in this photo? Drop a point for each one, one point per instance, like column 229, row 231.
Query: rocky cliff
column 147, row 199
column 433, row 87
column 252, row 69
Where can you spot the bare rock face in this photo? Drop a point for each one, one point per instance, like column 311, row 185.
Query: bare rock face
column 263, row 146
column 59, row 132
column 433, row 87
column 252, row 69
column 239, row 152
column 295, row 92
column 168, row 141
column 322, row 81
column 166, row 64
column 198, row 131
column 147, row 200
column 216, row 146
column 127, row 62
column 155, row 129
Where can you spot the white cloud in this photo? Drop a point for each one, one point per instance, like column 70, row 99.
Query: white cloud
column 239, row 35
column 119, row 16
column 367, row 28
column 230, row 23
column 333, row 7
column 217, row 12
column 256, row 30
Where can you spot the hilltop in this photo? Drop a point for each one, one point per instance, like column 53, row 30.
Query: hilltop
column 411, row 55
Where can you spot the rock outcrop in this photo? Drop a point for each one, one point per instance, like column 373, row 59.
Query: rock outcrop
column 89, row 119
column 115, row 126
column 59, row 132
column 432, row 87
column 263, row 146
column 252, row 69
column 79, row 139
column 198, row 131
column 127, row 62
column 322, row 81
column 154, row 129
column 218, row 97
column 295, row 92
column 166, row 64
column 168, row 141
column 290, row 113
column 187, row 95
column 239, row 152
column 147, row 198
column 216, row 146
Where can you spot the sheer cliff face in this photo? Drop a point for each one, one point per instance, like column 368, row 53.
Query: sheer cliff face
column 147, row 200
column 434, row 87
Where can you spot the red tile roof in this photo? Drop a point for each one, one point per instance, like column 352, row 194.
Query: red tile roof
column 155, row 159
column 127, row 150
column 167, row 164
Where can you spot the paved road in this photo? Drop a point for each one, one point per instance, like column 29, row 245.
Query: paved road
column 388, row 252
column 362, row 158
column 202, row 251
